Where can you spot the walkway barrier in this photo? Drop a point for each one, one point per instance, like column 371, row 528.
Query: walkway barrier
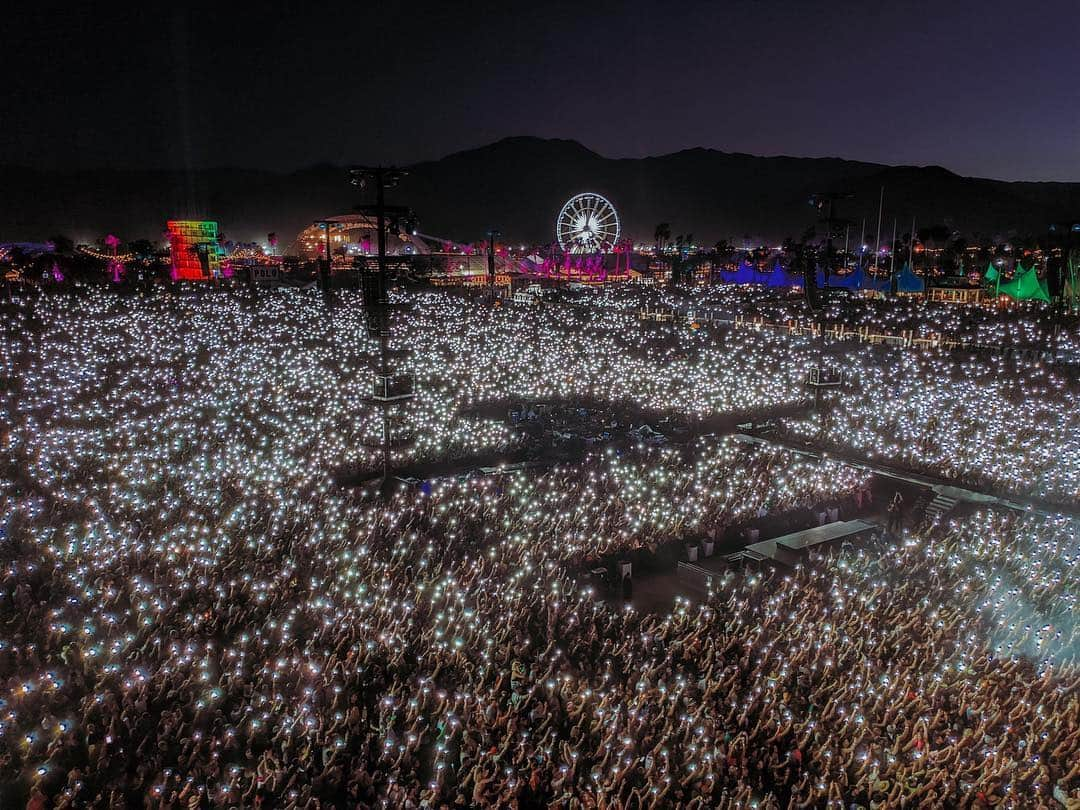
column 693, row 574
column 787, row 550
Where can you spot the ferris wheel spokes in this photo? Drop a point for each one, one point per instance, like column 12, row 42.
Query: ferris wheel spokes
column 587, row 223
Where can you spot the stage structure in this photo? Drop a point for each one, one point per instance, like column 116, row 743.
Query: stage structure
column 355, row 235
column 590, row 268
column 194, row 249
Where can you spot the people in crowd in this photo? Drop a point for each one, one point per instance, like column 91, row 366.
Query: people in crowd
column 194, row 613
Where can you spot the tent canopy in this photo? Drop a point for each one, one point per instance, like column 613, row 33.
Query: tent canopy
column 908, row 282
column 1026, row 286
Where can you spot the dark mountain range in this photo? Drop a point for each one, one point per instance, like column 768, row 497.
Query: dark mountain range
column 518, row 185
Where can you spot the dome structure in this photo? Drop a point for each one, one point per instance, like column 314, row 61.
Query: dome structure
column 354, row 235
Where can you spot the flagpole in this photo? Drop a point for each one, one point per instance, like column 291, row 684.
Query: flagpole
column 892, row 260
column 862, row 242
column 911, row 246
column 877, row 250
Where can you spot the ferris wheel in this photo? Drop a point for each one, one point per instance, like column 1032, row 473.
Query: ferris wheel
column 587, row 224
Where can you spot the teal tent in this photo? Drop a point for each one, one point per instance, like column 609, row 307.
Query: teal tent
column 1026, row 286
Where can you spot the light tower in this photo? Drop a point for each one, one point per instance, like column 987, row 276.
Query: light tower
column 825, row 203
column 821, row 380
column 392, row 391
column 492, row 234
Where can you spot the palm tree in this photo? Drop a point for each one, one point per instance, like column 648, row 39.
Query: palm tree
column 144, row 249
column 723, row 250
column 954, row 254
column 62, row 245
column 661, row 235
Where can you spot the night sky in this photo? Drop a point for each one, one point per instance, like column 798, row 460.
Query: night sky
column 983, row 88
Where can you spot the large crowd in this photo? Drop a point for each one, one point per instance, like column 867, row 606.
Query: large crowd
column 1002, row 422
column 1005, row 420
column 194, row 614
column 1010, row 325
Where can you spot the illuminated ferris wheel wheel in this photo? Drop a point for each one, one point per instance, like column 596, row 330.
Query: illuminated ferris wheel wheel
column 587, row 224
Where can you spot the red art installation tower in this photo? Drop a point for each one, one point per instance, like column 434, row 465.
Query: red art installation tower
column 193, row 245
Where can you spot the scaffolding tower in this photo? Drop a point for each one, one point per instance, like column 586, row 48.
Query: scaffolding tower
column 822, row 380
column 392, row 390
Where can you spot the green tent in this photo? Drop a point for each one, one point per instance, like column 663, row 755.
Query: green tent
column 1026, row 286
column 991, row 275
column 1044, row 291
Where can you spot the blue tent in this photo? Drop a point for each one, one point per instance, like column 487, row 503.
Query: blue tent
column 872, row 284
column 781, row 278
column 852, row 281
column 855, row 280
column 746, row 274
column 908, row 282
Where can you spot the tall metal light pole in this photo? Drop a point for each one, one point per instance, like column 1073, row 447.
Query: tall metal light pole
column 892, row 261
column 911, row 246
column 825, row 202
column 390, row 389
column 491, row 262
column 877, row 248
